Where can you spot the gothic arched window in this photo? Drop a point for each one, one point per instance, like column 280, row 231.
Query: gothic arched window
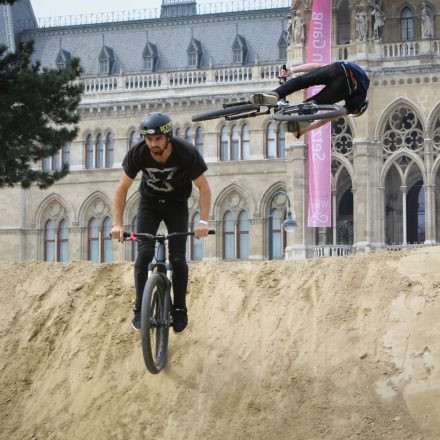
column 199, row 140
column 109, row 150
column 243, row 235
column 49, row 241
column 228, row 236
column 407, row 23
column 224, row 143
column 403, row 129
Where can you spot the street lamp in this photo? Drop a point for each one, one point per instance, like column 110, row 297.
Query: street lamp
column 289, row 224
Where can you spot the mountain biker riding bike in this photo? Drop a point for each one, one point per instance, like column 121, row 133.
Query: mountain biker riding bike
column 169, row 166
column 342, row 81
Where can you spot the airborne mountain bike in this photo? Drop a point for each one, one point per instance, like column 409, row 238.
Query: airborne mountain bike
column 294, row 114
column 156, row 301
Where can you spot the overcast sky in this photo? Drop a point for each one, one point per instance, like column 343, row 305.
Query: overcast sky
column 53, row 8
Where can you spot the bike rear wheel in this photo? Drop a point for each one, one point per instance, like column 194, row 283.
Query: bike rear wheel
column 155, row 323
column 233, row 110
column 292, row 113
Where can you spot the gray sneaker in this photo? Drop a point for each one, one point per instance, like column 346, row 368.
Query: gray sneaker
column 269, row 98
column 136, row 322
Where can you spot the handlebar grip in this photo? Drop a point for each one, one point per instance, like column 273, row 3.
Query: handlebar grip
column 125, row 234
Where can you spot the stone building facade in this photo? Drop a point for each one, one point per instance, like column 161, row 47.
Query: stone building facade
column 189, row 58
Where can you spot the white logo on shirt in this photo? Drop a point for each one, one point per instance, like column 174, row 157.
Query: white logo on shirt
column 158, row 179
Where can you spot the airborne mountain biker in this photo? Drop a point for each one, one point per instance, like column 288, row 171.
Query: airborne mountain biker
column 169, row 165
column 342, row 81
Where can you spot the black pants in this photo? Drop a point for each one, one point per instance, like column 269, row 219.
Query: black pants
column 334, row 77
column 175, row 216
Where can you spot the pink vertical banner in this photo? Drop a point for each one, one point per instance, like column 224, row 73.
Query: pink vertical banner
column 319, row 51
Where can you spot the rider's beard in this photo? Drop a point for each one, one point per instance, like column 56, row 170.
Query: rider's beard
column 158, row 151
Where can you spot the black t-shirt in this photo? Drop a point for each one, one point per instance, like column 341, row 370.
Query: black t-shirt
column 171, row 180
column 354, row 103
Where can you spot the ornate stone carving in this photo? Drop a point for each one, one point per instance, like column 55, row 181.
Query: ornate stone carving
column 234, row 202
column 295, row 27
column 403, row 130
column 426, row 21
column 378, row 21
column 280, row 201
column 361, row 25
column 98, row 209
column 56, row 211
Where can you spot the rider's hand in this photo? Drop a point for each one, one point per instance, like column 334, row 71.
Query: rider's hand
column 300, row 132
column 201, row 231
column 284, row 73
column 117, row 232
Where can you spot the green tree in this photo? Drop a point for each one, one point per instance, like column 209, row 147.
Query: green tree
column 38, row 113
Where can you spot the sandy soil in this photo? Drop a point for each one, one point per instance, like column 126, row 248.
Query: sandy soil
column 334, row 349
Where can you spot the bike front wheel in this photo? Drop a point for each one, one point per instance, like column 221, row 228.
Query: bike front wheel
column 155, row 323
column 292, row 113
column 243, row 110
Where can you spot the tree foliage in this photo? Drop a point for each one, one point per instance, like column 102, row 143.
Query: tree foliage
column 38, row 113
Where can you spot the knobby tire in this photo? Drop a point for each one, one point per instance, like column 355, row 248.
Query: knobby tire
column 328, row 111
column 228, row 111
column 155, row 316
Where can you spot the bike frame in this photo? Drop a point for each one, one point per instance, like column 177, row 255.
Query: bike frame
column 161, row 265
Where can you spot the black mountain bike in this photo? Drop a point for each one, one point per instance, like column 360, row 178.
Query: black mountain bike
column 156, row 301
column 282, row 111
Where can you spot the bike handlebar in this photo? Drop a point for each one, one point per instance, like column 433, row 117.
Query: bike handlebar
column 134, row 235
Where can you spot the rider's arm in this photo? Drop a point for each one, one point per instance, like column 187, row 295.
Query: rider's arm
column 319, row 123
column 305, row 68
column 205, row 205
column 119, row 205
column 301, row 68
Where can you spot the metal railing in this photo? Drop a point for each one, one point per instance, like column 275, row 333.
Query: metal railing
column 151, row 14
column 332, row 250
column 342, row 250
column 177, row 79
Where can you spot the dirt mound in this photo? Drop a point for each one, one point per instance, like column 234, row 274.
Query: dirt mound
column 337, row 348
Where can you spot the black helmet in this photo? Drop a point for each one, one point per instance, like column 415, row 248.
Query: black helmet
column 156, row 124
column 362, row 110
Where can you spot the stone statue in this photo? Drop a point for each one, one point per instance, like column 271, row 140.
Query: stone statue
column 426, row 22
column 289, row 28
column 295, row 29
column 379, row 21
column 361, row 21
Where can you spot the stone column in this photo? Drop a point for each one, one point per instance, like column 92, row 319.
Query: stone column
column 430, row 214
column 404, row 218
column 212, row 243
column 299, row 241
column 362, row 195
column 257, row 241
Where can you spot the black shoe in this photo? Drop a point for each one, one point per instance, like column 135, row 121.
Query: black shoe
column 180, row 320
column 136, row 322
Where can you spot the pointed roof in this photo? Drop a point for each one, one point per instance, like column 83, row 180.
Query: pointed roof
column 282, row 41
column 194, row 46
column 150, row 50
column 239, row 43
column 63, row 57
column 106, row 54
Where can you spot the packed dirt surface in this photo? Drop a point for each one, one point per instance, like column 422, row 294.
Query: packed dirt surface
column 327, row 349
